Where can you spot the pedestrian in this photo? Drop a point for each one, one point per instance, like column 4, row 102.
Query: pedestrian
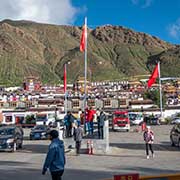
column 101, row 119
column 68, row 120
column 90, row 119
column 78, row 134
column 82, row 118
column 149, row 140
column 55, row 159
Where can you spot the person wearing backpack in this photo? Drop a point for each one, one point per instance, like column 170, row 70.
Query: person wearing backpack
column 149, row 140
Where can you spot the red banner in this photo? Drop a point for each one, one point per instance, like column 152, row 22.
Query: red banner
column 126, row 177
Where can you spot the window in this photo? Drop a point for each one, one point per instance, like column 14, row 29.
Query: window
column 75, row 103
column 122, row 102
column 8, row 118
column 91, row 103
column 107, row 102
column 13, row 104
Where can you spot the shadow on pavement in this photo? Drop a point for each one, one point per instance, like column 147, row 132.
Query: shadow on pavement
column 34, row 148
column 29, row 174
column 135, row 146
column 12, row 163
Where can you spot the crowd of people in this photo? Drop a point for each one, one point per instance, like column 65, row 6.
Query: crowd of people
column 86, row 120
column 55, row 159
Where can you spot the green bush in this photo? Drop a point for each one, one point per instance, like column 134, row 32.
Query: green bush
column 167, row 120
column 30, row 119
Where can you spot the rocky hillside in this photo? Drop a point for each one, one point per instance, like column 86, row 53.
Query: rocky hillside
column 114, row 52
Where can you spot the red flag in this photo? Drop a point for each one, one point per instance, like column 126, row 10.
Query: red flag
column 153, row 77
column 65, row 81
column 83, row 39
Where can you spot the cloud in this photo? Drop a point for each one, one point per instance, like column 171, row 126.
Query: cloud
column 174, row 29
column 142, row 3
column 44, row 11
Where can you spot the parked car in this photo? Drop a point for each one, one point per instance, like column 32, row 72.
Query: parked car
column 136, row 118
column 39, row 132
column 175, row 120
column 11, row 138
column 151, row 120
column 175, row 135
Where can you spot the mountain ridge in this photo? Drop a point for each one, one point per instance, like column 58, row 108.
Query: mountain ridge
column 30, row 48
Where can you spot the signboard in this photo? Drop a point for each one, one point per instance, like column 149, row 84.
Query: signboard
column 126, row 177
column 159, row 178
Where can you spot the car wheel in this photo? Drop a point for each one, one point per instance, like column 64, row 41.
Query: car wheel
column 172, row 142
column 179, row 143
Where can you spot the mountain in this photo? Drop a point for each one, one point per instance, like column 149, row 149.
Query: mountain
column 114, row 52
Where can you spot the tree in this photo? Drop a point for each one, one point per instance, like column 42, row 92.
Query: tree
column 153, row 94
column 30, row 119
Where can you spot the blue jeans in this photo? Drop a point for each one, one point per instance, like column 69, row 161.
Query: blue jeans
column 91, row 129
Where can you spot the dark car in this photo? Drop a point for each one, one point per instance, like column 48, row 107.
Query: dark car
column 11, row 138
column 39, row 132
column 151, row 120
column 175, row 135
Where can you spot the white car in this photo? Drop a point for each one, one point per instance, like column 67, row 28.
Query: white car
column 136, row 118
column 175, row 120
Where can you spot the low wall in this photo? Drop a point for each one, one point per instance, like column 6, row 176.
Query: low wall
column 155, row 177
column 161, row 177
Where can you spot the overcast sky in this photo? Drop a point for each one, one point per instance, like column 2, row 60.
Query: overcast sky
column 45, row 11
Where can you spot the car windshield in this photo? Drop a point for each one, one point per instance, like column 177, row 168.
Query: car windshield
column 41, row 118
column 40, row 128
column 135, row 116
column 6, row 132
column 121, row 115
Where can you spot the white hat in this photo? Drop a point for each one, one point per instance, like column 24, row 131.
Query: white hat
column 148, row 127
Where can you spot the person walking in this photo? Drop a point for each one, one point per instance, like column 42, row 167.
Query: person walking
column 101, row 119
column 148, row 136
column 55, row 159
column 78, row 134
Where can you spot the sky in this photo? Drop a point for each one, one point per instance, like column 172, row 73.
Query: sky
column 159, row 18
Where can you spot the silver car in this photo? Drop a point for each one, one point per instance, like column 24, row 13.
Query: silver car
column 175, row 135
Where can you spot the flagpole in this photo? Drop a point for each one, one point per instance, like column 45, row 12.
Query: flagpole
column 85, row 65
column 65, row 88
column 160, row 89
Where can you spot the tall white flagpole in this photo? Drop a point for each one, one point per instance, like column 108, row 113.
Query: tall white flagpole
column 65, row 69
column 85, row 65
column 160, row 89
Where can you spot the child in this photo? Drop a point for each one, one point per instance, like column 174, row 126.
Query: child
column 149, row 139
column 78, row 134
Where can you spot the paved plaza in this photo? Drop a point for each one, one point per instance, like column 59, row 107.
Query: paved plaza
column 127, row 155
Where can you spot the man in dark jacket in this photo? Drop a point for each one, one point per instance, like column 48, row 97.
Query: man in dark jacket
column 101, row 120
column 68, row 120
column 55, row 159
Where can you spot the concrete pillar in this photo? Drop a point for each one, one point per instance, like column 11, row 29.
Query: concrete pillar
column 106, row 135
